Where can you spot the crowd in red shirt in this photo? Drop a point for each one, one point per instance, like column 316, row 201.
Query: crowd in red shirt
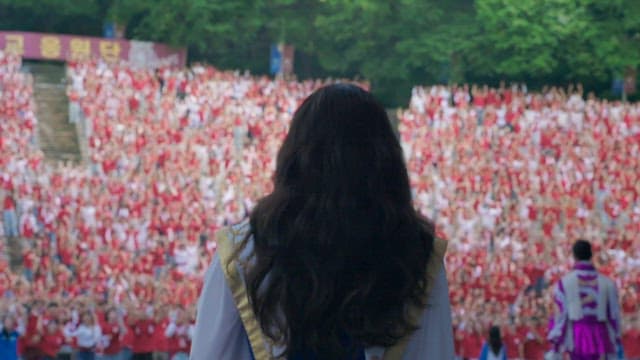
column 512, row 178
column 173, row 155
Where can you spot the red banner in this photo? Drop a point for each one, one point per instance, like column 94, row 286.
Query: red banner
column 41, row 46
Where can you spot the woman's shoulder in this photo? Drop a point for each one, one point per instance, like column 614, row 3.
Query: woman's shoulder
column 238, row 231
column 233, row 234
column 242, row 226
column 230, row 238
column 440, row 246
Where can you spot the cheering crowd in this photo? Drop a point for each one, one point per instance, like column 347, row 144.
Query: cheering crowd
column 174, row 155
column 114, row 251
column 512, row 178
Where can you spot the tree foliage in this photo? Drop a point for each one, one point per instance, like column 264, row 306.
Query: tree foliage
column 61, row 16
column 563, row 39
column 393, row 43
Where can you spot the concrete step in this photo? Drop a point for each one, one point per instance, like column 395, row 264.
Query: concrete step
column 55, row 159
column 57, row 138
column 53, row 134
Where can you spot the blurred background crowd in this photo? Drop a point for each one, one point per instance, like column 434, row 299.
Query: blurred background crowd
column 113, row 251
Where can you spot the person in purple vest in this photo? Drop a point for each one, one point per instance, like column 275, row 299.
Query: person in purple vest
column 587, row 320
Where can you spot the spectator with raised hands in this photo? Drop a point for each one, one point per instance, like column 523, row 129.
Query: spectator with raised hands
column 631, row 336
column 179, row 332
column 113, row 334
column 52, row 338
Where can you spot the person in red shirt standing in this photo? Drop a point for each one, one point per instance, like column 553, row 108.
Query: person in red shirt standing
column 160, row 341
column 9, row 216
column 144, row 333
column 158, row 259
column 128, row 339
column 458, row 336
column 29, row 259
column 51, row 339
column 472, row 339
column 512, row 341
column 631, row 338
column 535, row 272
column 178, row 333
column 535, row 344
column 113, row 332
column 32, row 335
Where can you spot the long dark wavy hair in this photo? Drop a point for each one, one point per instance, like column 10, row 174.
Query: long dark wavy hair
column 495, row 340
column 340, row 251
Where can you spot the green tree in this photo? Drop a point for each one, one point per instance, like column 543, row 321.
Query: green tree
column 393, row 43
column 223, row 32
column 561, row 40
column 59, row 16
